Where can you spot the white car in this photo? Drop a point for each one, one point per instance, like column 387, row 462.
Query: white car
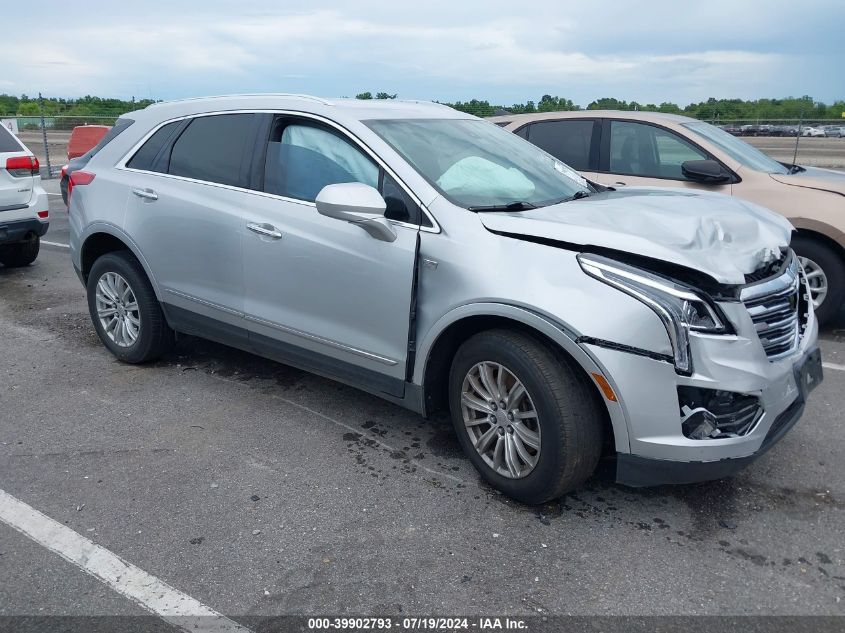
column 24, row 210
column 811, row 131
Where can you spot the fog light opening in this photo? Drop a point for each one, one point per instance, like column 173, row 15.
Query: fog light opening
column 698, row 424
column 709, row 414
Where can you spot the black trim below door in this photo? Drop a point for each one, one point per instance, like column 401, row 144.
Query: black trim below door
column 189, row 322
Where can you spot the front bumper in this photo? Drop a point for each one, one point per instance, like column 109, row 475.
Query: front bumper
column 658, row 451
column 638, row 472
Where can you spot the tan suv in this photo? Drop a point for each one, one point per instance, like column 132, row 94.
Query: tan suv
column 666, row 150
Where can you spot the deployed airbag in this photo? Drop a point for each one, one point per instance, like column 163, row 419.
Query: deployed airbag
column 476, row 176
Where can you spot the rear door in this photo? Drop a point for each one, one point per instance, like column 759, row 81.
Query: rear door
column 322, row 293
column 185, row 211
column 16, row 184
column 642, row 154
column 572, row 141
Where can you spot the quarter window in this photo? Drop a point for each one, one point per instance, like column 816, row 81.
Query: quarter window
column 400, row 206
column 637, row 149
column 568, row 141
column 145, row 157
column 212, row 148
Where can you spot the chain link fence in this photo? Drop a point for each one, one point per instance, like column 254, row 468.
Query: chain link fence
column 47, row 132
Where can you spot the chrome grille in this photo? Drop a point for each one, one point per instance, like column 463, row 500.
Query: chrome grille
column 775, row 308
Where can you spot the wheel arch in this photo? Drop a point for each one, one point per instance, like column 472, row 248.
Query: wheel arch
column 103, row 239
column 822, row 234
column 442, row 341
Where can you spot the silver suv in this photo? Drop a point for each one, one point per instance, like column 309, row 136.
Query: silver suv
column 444, row 264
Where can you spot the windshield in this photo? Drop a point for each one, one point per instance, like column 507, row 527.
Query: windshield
column 739, row 150
column 477, row 165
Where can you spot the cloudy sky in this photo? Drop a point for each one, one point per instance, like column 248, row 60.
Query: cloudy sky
column 506, row 52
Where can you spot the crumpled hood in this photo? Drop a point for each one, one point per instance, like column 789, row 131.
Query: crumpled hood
column 720, row 236
column 815, row 178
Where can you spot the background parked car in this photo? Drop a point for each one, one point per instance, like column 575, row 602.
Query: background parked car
column 834, row 131
column 809, row 130
column 83, row 138
column 24, row 210
column 656, row 149
column 79, row 162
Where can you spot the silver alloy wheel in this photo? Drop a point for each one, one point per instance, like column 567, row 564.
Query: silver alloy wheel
column 500, row 419
column 816, row 280
column 117, row 309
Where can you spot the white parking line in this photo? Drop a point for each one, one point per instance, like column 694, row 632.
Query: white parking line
column 55, row 244
column 835, row 366
column 125, row 578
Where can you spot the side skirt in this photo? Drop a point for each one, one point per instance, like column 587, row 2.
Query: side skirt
column 395, row 390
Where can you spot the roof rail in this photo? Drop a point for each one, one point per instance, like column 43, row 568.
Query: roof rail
column 423, row 101
column 256, row 94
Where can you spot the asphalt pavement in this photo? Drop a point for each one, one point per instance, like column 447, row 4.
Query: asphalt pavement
column 257, row 489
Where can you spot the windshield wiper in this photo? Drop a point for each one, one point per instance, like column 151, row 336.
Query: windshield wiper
column 578, row 195
column 517, row 205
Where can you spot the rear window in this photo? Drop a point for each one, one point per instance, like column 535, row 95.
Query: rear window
column 212, row 148
column 8, row 142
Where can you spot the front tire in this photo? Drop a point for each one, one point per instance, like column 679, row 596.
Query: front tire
column 825, row 272
column 20, row 253
column 125, row 311
column 546, row 439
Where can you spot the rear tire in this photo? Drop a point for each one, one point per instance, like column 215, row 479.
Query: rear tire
column 20, row 253
column 816, row 255
column 124, row 309
column 567, row 426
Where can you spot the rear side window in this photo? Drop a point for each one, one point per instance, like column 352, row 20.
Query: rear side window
column 8, row 142
column 145, row 157
column 568, row 141
column 212, row 148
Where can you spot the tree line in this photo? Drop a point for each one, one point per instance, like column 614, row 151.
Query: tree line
column 710, row 110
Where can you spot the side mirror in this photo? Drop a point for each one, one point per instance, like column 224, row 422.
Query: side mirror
column 704, row 171
column 359, row 204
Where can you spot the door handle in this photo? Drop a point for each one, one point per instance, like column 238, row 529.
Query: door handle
column 267, row 230
column 147, row 194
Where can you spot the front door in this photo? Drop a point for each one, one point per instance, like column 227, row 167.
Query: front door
column 641, row 154
column 321, row 293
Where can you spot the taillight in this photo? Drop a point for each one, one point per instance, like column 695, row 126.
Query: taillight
column 78, row 178
column 22, row 166
column 44, row 214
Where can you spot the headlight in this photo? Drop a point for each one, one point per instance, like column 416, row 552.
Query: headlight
column 679, row 307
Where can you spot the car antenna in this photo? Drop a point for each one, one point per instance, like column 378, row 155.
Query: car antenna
column 798, row 136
